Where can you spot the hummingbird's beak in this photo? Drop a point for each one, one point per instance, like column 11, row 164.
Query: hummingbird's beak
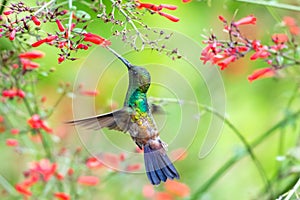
column 126, row 62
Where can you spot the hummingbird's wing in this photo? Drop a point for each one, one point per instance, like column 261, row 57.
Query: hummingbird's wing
column 156, row 109
column 117, row 120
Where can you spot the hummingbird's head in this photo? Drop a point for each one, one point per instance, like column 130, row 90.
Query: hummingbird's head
column 140, row 78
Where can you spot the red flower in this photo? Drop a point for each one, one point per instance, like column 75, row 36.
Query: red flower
column 280, row 38
column 225, row 62
column 168, row 6
column 60, row 26
column 14, row 131
column 148, row 191
column 12, row 142
column 62, row 196
column 96, row 39
column 133, row 167
column 163, row 196
column 28, row 64
column 44, row 167
column 90, row 92
column 261, row 73
column 36, row 122
column 93, row 163
column 38, row 43
column 186, row 1
column 177, row 188
column 222, row 19
column 168, row 16
column 23, row 190
column 9, row 93
column 260, row 53
column 82, row 46
column 88, row 180
column 35, row 20
column 246, row 20
column 178, row 154
column 12, row 34
column 60, row 59
column 32, row 54
column 8, row 12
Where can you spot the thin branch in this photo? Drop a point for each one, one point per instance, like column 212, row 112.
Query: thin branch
column 272, row 4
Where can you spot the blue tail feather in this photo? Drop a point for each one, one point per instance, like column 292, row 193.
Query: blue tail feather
column 158, row 165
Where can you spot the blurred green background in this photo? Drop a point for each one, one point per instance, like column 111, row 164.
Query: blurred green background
column 252, row 107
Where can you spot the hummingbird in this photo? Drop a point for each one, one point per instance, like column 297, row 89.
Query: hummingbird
column 135, row 117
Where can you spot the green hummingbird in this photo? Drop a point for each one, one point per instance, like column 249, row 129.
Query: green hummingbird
column 136, row 118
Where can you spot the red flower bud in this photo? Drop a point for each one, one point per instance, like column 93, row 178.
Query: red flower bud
column 12, row 142
column 168, row 16
column 9, row 93
column 167, row 6
column 12, row 34
column 261, row 73
column 246, row 20
column 50, row 38
column 88, row 180
column 38, row 43
column 32, row 54
column 61, row 59
column 8, row 12
column 60, row 26
column 186, row 1
column 35, row 20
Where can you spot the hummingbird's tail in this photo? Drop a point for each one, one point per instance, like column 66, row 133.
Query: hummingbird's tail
column 158, row 165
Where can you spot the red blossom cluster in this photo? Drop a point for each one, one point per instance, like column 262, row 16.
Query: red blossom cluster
column 157, row 9
column 277, row 56
column 35, row 122
column 11, row 93
column 43, row 171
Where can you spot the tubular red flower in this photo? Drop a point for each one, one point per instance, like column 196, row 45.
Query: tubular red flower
column 28, row 64
column 225, row 62
column 12, row 34
column 246, row 20
column 261, row 53
column 168, row 16
column 186, row 1
column 279, row 38
column 51, row 38
column 44, row 168
column 133, row 167
column 8, row 12
column 62, row 196
column 20, row 93
column 35, row 20
column 12, row 142
column 90, row 92
column 177, row 188
column 88, row 180
column 222, row 19
column 261, row 73
column 14, row 131
column 32, row 54
column 36, row 122
column 60, row 25
column 96, row 39
column 168, row 6
column 149, row 6
column 38, row 43
column 23, row 190
column 9, row 93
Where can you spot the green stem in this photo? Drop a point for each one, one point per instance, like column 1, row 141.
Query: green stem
column 7, row 186
column 47, row 146
column 221, row 171
column 272, row 4
column 4, row 2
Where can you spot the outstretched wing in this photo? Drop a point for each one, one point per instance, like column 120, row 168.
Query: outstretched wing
column 117, row 120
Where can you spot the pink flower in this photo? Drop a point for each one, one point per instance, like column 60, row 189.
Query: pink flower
column 280, row 38
column 246, row 20
column 44, row 168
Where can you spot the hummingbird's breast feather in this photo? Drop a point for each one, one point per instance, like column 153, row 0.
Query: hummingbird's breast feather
column 143, row 129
